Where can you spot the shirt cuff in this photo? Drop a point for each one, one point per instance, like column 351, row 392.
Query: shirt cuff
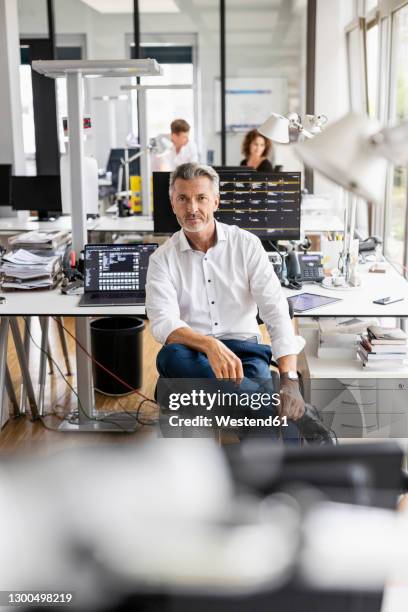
column 161, row 331
column 285, row 346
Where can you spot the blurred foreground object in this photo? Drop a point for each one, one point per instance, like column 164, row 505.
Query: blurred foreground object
column 173, row 518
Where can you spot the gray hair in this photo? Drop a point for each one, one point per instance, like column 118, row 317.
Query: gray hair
column 190, row 171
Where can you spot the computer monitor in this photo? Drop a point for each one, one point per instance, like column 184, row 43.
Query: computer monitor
column 164, row 219
column 117, row 267
column 266, row 204
column 5, row 184
column 42, row 193
column 114, row 163
column 233, row 169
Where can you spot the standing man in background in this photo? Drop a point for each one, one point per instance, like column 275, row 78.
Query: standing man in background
column 183, row 150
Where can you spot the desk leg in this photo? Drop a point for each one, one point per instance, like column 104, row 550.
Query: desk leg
column 87, row 414
column 42, row 376
column 64, row 345
column 18, row 343
column 49, row 357
column 4, row 326
column 27, row 344
column 84, row 370
column 12, row 394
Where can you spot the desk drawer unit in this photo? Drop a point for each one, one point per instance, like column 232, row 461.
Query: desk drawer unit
column 363, row 407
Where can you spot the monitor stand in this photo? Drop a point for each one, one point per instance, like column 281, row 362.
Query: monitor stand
column 47, row 215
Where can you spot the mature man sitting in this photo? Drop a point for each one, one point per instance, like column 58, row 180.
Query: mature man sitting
column 204, row 286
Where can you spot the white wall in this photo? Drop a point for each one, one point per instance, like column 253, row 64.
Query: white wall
column 105, row 39
column 11, row 135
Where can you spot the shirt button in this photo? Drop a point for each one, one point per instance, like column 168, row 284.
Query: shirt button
column 209, row 281
column 215, row 323
column 212, row 302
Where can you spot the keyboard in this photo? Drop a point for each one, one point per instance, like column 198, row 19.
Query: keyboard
column 112, row 298
column 112, row 295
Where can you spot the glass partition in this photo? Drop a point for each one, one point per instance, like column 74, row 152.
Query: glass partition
column 180, row 29
column 397, row 209
column 265, row 65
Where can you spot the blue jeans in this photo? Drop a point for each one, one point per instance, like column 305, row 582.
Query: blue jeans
column 180, row 361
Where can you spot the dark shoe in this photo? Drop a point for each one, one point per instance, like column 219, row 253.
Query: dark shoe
column 312, row 428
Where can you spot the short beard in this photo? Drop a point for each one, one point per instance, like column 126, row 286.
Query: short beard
column 195, row 230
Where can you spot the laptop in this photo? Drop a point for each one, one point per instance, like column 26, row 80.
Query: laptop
column 115, row 274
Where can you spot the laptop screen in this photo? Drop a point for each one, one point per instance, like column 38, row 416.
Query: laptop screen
column 117, row 267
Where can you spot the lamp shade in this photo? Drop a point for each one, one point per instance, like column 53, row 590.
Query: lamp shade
column 276, row 128
column 344, row 153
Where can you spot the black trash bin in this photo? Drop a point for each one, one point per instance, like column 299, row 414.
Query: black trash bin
column 117, row 344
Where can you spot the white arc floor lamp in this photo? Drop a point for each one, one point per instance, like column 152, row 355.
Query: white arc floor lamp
column 353, row 152
column 279, row 128
column 75, row 71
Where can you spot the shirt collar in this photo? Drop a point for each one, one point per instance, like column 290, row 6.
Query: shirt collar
column 185, row 245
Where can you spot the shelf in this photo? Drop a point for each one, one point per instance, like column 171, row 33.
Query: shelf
column 339, row 368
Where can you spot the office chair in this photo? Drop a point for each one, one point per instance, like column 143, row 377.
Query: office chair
column 311, row 429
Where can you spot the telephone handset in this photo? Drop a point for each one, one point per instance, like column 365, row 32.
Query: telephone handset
column 294, row 273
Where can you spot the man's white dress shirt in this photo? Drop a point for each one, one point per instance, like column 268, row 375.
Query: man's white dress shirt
column 217, row 293
column 187, row 154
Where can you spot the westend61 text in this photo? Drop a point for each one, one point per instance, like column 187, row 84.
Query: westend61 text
column 228, row 421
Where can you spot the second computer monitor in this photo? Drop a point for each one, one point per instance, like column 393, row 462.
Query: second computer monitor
column 266, row 204
column 5, row 184
column 42, row 193
column 164, row 218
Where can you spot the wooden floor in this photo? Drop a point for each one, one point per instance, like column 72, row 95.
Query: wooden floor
column 21, row 435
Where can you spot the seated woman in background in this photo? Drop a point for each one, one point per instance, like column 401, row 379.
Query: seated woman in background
column 256, row 149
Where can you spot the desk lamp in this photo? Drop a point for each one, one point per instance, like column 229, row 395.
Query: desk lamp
column 159, row 145
column 353, row 153
column 278, row 128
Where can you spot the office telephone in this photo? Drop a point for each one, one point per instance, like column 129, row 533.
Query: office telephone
column 311, row 267
column 293, row 268
column 304, row 267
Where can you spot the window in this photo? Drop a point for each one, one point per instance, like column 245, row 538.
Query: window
column 372, row 69
column 179, row 103
column 356, row 67
column 177, row 64
column 397, row 207
column 26, row 89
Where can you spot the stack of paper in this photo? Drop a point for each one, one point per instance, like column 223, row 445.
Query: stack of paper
column 338, row 337
column 49, row 239
column 26, row 270
column 344, row 325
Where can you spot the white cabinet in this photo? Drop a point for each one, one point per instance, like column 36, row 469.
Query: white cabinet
column 354, row 402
